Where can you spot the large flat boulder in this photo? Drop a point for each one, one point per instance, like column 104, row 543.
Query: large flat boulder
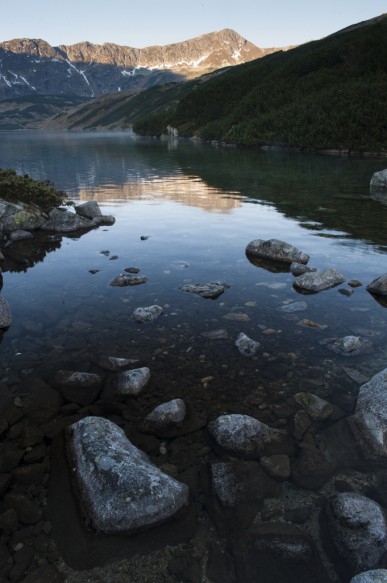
column 318, row 280
column 19, row 216
column 276, row 250
column 65, row 221
column 119, row 489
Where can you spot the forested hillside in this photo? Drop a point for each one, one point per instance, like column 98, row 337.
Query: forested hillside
column 326, row 94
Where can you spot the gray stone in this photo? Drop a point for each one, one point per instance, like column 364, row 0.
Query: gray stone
column 369, row 421
column 219, row 334
column 89, row 209
column 319, row 280
column 114, row 363
column 78, row 387
column 379, row 180
column 300, row 269
column 125, row 279
column 165, row 416
column 65, row 221
column 206, row 290
column 316, row 407
column 5, row 314
column 311, row 469
column 19, row 235
column 293, row 307
column 376, row 576
column 276, row 250
column 277, row 466
column 349, row 345
column 378, row 286
column 147, row 314
column 132, row 382
column 247, row 346
column 236, row 483
column 120, row 491
column 358, row 529
column 245, row 436
column 19, row 216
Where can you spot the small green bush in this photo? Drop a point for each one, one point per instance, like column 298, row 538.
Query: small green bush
column 15, row 188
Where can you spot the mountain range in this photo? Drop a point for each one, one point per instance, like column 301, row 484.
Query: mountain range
column 86, row 70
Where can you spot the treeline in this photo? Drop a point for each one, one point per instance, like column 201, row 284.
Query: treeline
column 324, row 94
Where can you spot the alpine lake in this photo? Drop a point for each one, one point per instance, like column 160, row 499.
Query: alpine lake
column 185, row 212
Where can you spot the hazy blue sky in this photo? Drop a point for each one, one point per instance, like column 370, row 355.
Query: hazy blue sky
column 139, row 23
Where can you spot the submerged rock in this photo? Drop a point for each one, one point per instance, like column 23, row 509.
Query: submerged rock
column 349, row 345
column 247, row 346
column 375, row 576
column 379, row 180
column 5, row 313
column 206, row 290
column 378, row 286
column 147, row 314
column 316, row 407
column 120, row 490
column 131, row 382
column 358, row 529
column 236, row 483
column 319, row 280
column 246, row 436
column 165, row 416
column 276, row 250
column 114, row 363
column 293, row 307
column 78, row 387
column 369, row 421
column 123, row 280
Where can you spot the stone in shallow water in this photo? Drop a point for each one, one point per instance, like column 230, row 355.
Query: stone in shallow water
column 378, row 286
column 78, row 387
column 300, row 269
column 219, row 334
column 165, row 416
column 277, row 466
column 319, row 280
column 206, row 290
column 236, row 483
column 89, row 209
column 131, row 382
column 247, row 346
column 358, row 529
column 276, row 250
column 147, row 314
column 375, row 576
column 379, row 180
column 5, row 314
column 245, row 436
column 114, row 363
column 349, row 345
column 123, row 280
column 293, row 307
column 119, row 489
column 369, row 422
column 316, row 407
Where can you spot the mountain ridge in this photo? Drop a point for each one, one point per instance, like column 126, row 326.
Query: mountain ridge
column 33, row 66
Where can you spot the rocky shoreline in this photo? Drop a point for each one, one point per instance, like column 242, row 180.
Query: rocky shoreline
column 97, row 467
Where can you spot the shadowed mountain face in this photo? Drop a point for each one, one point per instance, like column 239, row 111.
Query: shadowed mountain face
column 33, row 67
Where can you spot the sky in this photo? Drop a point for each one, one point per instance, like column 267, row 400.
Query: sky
column 140, row 23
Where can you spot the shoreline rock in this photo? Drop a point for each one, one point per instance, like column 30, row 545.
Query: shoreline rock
column 276, row 250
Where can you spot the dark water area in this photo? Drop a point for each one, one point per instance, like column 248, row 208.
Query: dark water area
column 184, row 214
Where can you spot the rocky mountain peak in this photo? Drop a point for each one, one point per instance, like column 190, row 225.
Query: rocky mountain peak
column 32, row 66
